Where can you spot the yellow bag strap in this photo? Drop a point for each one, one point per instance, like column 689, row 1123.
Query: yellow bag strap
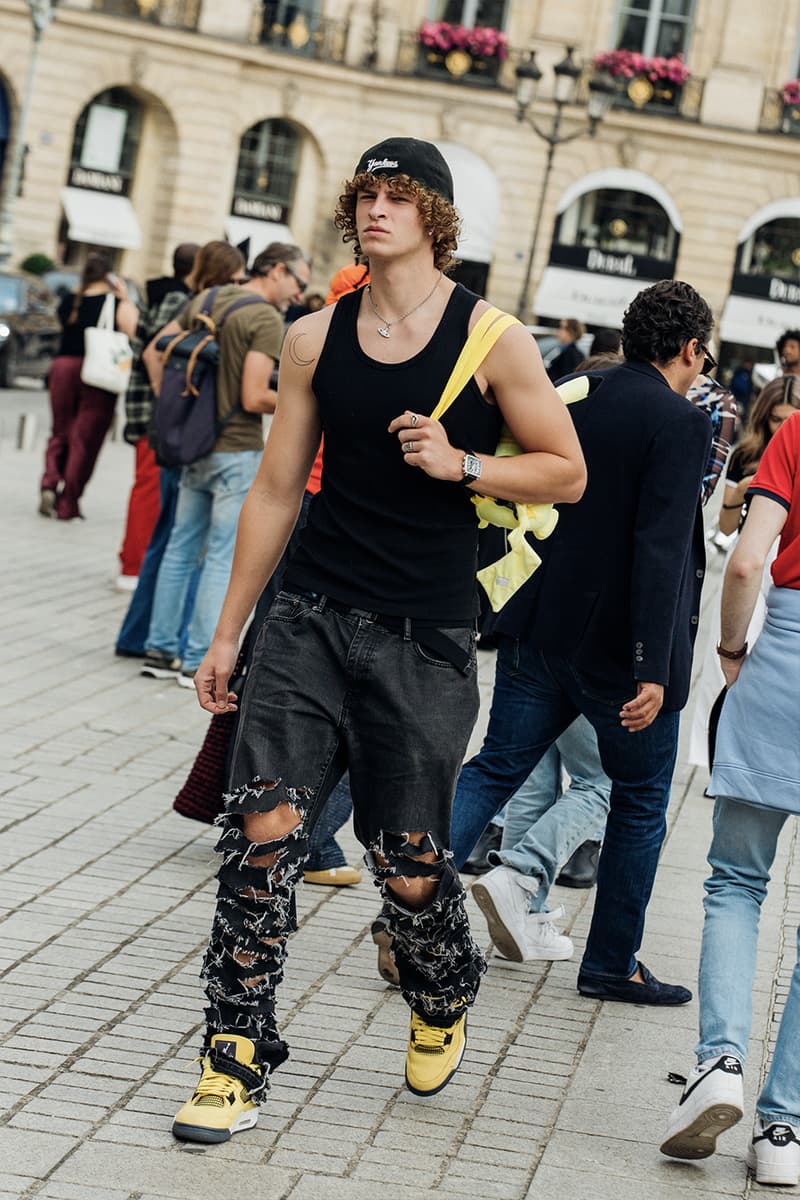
column 487, row 330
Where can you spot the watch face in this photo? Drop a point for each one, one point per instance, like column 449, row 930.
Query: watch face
column 472, row 466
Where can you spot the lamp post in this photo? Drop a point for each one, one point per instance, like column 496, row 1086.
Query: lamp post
column 602, row 90
column 42, row 13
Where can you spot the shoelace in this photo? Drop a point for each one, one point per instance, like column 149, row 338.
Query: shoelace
column 214, row 1088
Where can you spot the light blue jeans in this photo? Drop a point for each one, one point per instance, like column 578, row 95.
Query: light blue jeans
column 210, row 498
column 544, row 824
column 741, row 855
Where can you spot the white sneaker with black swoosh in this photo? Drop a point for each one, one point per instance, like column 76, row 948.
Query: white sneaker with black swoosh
column 712, row 1102
column 774, row 1153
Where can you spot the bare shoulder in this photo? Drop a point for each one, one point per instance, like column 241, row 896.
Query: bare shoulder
column 306, row 337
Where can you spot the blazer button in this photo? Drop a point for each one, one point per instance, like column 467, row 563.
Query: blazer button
column 700, row 572
column 639, row 658
column 640, row 645
column 694, row 620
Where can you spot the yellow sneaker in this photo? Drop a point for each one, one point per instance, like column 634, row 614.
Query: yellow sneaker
column 434, row 1054
column 221, row 1104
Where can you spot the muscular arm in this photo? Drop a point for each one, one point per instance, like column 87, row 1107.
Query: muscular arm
column 551, row 467
column 269, row 512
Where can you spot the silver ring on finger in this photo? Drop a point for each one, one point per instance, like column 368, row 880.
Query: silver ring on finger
column 414, row 420
column 408, row 447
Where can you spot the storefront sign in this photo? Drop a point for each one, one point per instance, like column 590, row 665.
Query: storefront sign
column 259, row 210
column 98, row 181
column 769, row 287
column 608, row 262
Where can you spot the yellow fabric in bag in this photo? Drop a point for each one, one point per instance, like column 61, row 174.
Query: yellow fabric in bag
column 501, row 579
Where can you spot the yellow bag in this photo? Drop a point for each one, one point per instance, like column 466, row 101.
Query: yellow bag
column 501, row 579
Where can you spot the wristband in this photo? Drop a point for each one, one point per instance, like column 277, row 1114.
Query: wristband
column 733, row 655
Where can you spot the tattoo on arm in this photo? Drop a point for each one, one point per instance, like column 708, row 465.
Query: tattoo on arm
column 293, row 350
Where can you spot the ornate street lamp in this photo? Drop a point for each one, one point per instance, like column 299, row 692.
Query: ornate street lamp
column 567, row 72
column 42, row 13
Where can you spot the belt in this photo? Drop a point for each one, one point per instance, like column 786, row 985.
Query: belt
column 427, row 636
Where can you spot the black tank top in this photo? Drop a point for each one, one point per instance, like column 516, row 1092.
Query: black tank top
column 381, row 535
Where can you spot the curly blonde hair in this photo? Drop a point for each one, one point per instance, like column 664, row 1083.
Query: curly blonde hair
column 437, row 214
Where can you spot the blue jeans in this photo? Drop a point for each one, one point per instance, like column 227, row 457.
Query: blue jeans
column 741, row 855
column 132, row 637
column 536, row 697
column 324, row 852
column 210, row 497
column 544, row 823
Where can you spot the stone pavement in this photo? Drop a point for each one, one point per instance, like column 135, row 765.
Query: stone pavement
column 105, row 903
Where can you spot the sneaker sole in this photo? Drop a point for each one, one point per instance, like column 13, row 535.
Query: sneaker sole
column 498, row 932
column 699, row 1138
column 201, row 1133
column 185, row 681
column 158, row 673
column 436, row 1090
column 387, row 968
column 778, row 1175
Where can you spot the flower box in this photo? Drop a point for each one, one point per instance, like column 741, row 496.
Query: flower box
column 790, row 121
column 645, row 82
column 472, row 55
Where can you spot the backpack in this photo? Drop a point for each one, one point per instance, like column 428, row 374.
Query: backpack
column 184, row 426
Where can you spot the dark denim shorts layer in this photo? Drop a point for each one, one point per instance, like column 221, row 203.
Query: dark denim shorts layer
column 330, row 690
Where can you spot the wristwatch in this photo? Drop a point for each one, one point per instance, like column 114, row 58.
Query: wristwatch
column 471, row 467
column 733, row 655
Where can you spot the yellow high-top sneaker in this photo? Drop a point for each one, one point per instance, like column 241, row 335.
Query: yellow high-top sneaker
column 221, row 1104
column 434, row 1054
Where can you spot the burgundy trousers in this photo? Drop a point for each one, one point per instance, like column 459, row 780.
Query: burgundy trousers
column 144, row 506
column 81, row 419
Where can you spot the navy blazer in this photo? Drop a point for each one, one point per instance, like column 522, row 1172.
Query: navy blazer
column 618, row 592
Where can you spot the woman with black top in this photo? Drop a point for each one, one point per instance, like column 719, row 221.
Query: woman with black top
column 81, row 415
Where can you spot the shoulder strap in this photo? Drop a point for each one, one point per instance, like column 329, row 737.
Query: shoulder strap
column 487, row 330
column 107, row 313
column 237, row 304
column 208, row 303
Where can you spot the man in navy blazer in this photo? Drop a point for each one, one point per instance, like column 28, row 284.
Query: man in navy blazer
column 606, row 628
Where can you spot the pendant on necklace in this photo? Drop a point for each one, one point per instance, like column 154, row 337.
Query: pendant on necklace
column 383, row 330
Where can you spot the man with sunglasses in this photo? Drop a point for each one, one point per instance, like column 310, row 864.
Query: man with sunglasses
column 605, row 628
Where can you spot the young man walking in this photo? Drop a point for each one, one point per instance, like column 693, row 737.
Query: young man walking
column 606, row 629
column 367, row 658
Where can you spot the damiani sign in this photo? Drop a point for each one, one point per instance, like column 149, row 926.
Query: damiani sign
column 604, row 262
column 769, row 287
column 259, row 210
column 97, row 181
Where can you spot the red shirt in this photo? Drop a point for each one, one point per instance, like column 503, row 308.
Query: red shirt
column 315, row 478
column 778, row 476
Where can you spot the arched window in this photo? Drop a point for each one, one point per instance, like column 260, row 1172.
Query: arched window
column 655, row 27
column 618, row 221
column 106, row 139
column 773, row 249
column 267, row 170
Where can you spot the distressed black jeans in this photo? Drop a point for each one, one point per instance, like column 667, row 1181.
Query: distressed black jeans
column 331, row 690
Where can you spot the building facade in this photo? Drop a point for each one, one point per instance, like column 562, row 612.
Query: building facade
column 158, row 121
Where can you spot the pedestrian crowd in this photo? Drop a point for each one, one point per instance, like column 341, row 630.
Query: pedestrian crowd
column 319, row 595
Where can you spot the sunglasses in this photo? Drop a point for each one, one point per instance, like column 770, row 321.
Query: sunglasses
column 709, row 362
column 301, row 283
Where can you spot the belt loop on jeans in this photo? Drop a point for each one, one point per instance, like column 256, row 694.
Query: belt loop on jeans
column 320, row 605
column 406, row 629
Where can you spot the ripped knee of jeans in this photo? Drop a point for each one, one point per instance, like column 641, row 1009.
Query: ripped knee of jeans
column 394, row 856
column 263, row 809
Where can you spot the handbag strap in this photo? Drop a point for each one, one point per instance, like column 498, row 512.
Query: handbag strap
column 106, row 318
column 487, row 330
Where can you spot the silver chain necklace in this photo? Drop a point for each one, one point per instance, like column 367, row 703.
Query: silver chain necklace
column 385, row 329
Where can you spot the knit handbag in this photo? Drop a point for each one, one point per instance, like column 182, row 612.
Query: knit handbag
column 501, row 579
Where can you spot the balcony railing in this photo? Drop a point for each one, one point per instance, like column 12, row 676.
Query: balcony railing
column 299, row 32
column 777, row 116
column 180, row 14
column 456, row 66
column 658, row 98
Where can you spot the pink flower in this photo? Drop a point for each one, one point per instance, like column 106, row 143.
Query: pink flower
column 791, row 92
column 481, row 42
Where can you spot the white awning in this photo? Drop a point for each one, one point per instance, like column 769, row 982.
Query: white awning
column 789, row 207
column 260, row 233
column 101, row 219
column 755, row 322
column 477, row 197
column 592, row 298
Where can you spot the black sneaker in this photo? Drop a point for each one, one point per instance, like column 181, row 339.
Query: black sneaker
column 160, row 666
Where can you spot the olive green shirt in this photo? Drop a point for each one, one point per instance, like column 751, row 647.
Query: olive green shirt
column 252, row 327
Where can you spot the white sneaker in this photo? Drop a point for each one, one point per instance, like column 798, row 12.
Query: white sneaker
column 542, row 940
column 503, row 896
column 126, row 583
column 774, row 1153
column 712, row 1101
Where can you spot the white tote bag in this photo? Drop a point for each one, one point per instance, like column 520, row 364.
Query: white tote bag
column 107, row 356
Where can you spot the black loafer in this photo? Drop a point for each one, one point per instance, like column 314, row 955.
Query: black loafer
column 652, row 991
column 580, row 871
